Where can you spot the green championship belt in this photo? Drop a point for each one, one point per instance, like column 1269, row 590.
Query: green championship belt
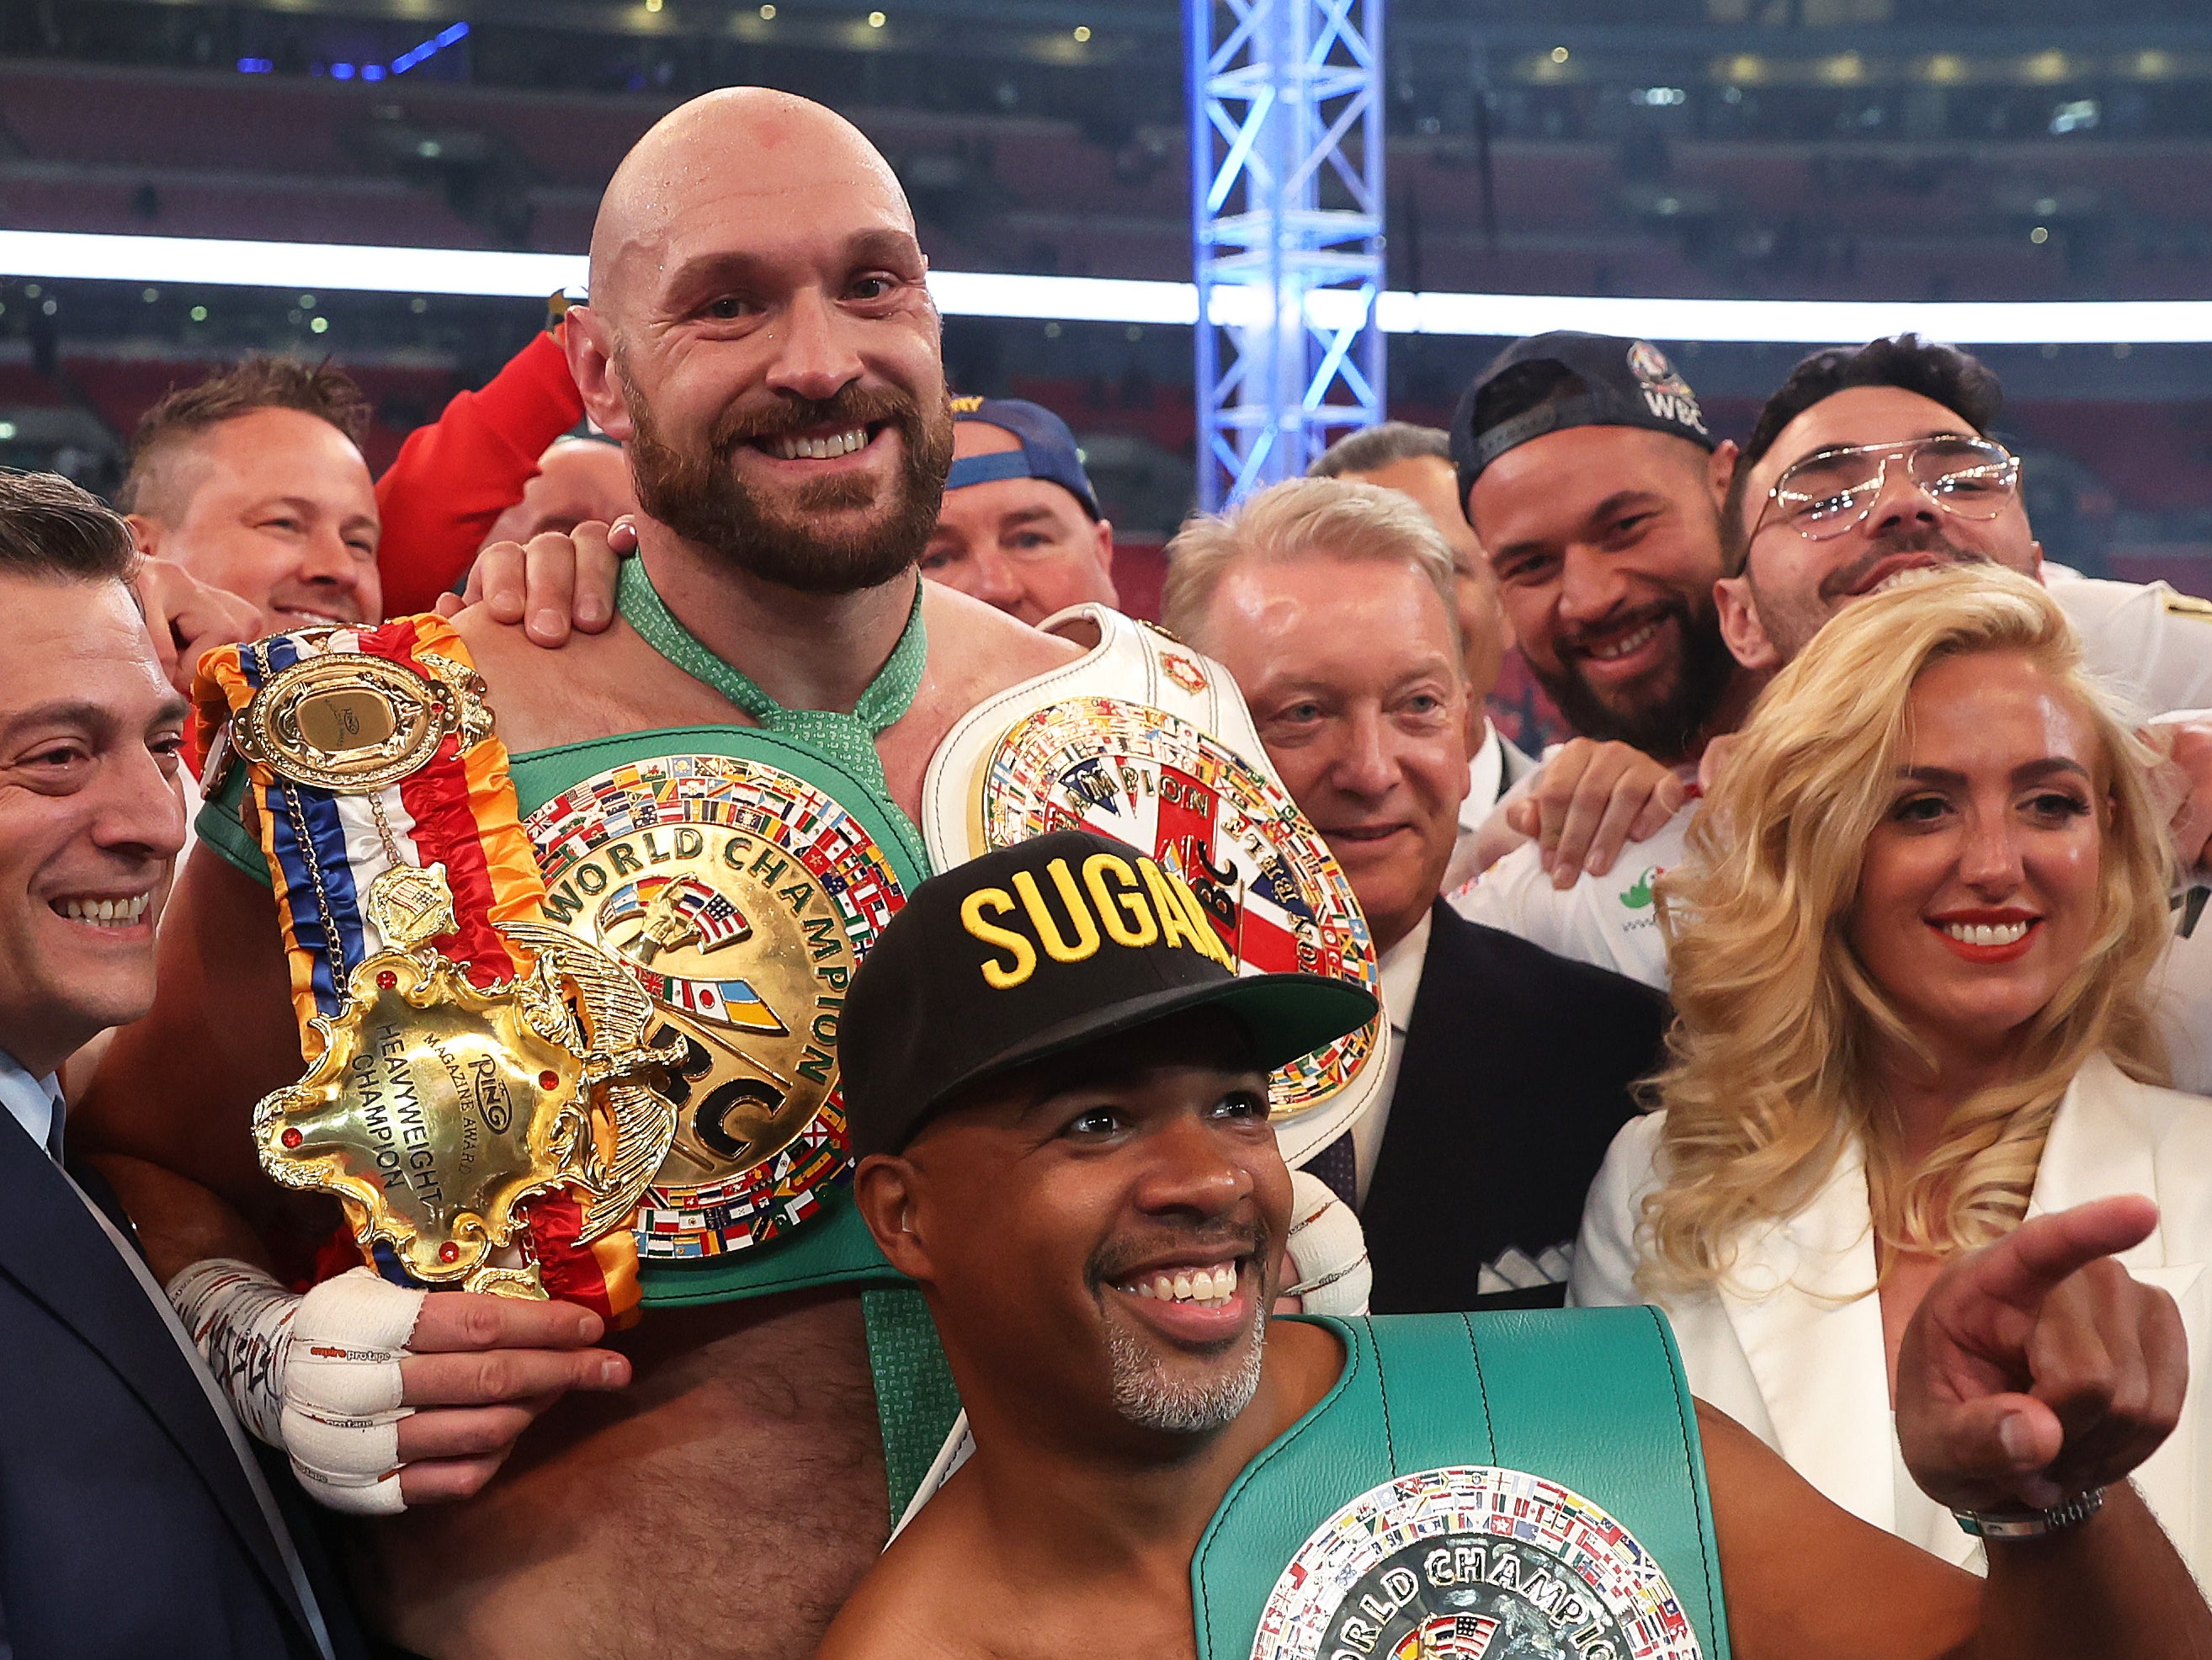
column 1486, row 1487
column 739, row 877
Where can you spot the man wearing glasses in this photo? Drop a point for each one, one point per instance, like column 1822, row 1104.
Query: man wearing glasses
column 1867, row 461
column 1874, row 460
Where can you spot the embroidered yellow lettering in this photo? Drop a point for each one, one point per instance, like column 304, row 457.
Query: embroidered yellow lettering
column 998, row 977
column 1128, row 919
column 1047, row 926
column 1205, row 939
column 1175, row 921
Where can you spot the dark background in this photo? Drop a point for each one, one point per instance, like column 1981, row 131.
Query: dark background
column 1957, row 149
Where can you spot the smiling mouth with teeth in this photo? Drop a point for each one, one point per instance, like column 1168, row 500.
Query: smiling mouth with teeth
column 106, row 913
column 788, row 449
column 1985, row 934
column 1633, row 642
column 1207, row 1286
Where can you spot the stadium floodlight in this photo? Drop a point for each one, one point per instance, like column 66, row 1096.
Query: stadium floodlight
column 338, row 268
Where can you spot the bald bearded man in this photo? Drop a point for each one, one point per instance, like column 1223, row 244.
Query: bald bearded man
column 761, row 341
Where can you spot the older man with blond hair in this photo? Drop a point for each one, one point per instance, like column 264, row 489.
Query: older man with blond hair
column 1334, row 604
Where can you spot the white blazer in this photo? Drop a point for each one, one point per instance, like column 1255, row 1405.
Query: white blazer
column 1787, row 1349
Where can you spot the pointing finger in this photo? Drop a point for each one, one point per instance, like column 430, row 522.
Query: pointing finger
column 2021, row 1269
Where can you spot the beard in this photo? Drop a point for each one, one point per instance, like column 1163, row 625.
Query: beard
column 697, row 494
column 1671, row 726
column 1144, row 1393
column 1792, row 619
column 1147, row 1397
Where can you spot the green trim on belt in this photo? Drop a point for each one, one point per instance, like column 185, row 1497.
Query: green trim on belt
column 1592, row 1399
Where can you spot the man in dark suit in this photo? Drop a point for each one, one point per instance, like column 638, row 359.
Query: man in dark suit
column 1331, row 604
column 134, row 1520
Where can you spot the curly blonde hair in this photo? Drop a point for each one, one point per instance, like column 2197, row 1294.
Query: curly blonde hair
column 1779, row 1023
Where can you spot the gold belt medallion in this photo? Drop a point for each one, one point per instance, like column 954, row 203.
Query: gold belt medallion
column 437, row 1106
column 740, row 898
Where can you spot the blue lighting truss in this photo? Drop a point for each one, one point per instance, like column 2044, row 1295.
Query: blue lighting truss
column 1286, row 231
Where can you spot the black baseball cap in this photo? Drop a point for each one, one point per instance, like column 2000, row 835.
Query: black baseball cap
column 1548, row 382
column 1048, row 448
column 1037, row 948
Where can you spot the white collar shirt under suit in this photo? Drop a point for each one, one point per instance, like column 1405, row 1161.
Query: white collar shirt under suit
column 34, row 1103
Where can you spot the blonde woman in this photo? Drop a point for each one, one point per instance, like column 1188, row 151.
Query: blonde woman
column 1910, row 945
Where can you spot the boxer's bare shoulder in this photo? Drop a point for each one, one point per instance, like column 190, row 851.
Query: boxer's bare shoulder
column 935, row 1595
column 976, row 651
column 943, row 1592
column 597, row 685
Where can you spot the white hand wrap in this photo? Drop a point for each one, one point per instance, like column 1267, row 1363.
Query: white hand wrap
column 342, row 1391
column 242, row 1319
column 1328, row 1250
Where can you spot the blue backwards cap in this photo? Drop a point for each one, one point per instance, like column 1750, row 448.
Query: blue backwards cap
column 1048, row 448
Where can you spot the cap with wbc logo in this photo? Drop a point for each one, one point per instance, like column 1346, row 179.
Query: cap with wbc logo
column 1550, row 382
column 1040, row 947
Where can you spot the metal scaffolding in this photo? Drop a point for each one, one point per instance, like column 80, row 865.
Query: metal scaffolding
column 1286, row 231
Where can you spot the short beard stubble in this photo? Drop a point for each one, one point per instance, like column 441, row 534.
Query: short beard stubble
column 1147, row 1398
column 1673, row 726
column 1143, row 1392
column 1791, row 622
column 697, row 492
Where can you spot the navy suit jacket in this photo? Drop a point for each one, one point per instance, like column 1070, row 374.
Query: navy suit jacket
column 1517, row 1072
column 128, row 1528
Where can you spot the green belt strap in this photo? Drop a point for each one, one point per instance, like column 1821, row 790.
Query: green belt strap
column 848, row 739
column 915, row 1400
column 1593, row 1399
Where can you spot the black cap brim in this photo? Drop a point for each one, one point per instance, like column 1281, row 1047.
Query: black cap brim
column 1285, row 1015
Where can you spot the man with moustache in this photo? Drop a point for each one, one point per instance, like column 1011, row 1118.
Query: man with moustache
column 1069, row 1153
column 743, row 754
column 760, row 340
column 1908, row 423
column 1587, row 473
column 1912, row 417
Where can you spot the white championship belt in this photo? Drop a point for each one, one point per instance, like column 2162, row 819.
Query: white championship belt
column 1145, row 740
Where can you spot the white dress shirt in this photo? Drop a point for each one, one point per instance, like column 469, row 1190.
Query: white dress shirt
column 1401, row 968
column 1495, row 767
column 34, row 1103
